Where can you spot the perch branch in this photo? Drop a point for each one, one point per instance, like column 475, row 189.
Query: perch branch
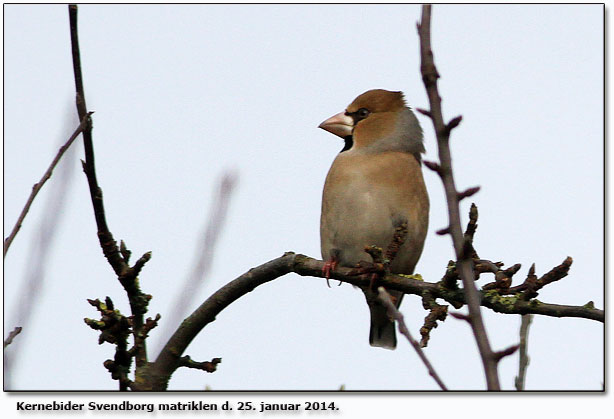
column 159, row 372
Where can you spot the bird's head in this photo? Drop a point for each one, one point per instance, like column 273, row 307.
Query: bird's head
column 378, row 120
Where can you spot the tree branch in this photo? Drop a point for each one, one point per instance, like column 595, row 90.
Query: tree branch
column 11, row 336
column 207, row 366
column 396, row 314
column 155, row 375
column 464, row 263
column 114, row 328
column 117, row 258
column 158, row 373
column 109, row 246
column 436, row 312
column 85, row 121
column 523, row 361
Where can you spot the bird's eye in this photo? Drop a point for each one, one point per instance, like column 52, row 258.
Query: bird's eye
column 362, row 113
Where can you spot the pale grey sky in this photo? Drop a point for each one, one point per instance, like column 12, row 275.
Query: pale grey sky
column 184, row 93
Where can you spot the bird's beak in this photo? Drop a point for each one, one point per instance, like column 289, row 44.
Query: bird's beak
column 340, row 125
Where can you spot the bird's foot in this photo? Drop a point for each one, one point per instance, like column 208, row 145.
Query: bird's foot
column 329, row 266
column 375, row 270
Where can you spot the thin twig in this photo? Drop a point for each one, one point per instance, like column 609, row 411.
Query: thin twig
column 39, row 253
column 499, row 355
column 523, row 361
column 11, row 336
column 114, row 328
column 463, row 252
column 208, row 366
column 396, row 314
column 38, row 186
column 436, row 312
column 532, row 284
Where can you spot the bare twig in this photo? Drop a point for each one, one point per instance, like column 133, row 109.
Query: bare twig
column 468, row 192
column 461, row 316
column 436, row 312
column 396, row 314
column 432, row 165
column 40, row 249
column 38, row 186
column 483, row 265
column 503, row 278
column 141, row 336
column 523, row 361
column 556, row 273
column 114, row 328
column 11, row 336
column 472, row 225
column 464, row 263
column 532, row 284
column 208, row 366
column 398, row 239
column 443, row 231
column 499, row 355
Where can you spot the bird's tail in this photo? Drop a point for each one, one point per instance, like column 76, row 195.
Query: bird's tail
column 382, row 333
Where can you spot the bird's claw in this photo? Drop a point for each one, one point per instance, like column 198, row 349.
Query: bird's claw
column 375, row 270
column 329, row 266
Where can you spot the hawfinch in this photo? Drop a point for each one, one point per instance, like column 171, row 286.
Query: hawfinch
column 374, row 185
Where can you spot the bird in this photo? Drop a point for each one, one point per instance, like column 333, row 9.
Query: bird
column 374, row 185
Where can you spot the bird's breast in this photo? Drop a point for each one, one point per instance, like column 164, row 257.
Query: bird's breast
column 364, row 197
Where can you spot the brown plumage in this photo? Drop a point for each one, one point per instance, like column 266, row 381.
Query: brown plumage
column 373, row 186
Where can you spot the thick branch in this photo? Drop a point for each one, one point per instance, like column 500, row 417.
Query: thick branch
column 463, row 252
column 159, row 372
